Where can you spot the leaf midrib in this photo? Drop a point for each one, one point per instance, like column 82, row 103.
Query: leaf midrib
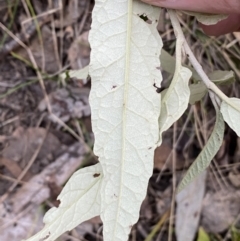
column 125, row 101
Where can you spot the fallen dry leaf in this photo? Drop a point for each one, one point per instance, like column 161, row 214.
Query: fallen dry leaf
column 23, row 144
column 79, row 52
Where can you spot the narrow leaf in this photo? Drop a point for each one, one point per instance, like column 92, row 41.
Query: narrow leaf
column 80, row 201
column 206, row 18
column 206, row 155
column 231, row 113
column 222, row 77
column 125, row 107
column 175, row 100
column 189, row 204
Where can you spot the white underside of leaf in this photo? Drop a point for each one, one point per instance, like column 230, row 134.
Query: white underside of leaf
column 125, row 107
column 232, row 115
column 175, row 101
column 206, row 155
column 80, row 201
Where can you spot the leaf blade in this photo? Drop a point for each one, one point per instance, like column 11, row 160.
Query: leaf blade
column 197, row 92
column 189, row 204
column 125, row 107
column 231, row 114
column 81, row 190
column 207, row 18
column 175, row 100
column 206, row 155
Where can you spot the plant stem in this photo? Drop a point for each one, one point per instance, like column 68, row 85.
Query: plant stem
column 209, row 84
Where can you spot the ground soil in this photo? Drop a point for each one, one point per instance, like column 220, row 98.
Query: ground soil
column 45, row 124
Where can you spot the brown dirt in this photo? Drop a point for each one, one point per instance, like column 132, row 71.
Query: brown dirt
column 35, row 146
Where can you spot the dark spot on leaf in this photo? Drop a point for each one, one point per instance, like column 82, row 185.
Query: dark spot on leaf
column 96, row 175
column 145, row 18
column 15, row 225
column 149, row 148
column 114, row 86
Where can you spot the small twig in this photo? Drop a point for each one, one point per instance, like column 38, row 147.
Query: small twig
column 54, row 37
column 183, row 129
column 83, row 21
column 159, row 225
column 174, row 183
column 23, row 37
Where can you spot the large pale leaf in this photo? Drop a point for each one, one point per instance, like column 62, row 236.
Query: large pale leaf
column 125, row 107
column 206, row 155
column 80, row 201
column 231, row 113
column 189, row 204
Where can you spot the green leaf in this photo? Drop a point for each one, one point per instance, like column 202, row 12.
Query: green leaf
column 235, row 233
column 231, row 113
column 206, row 155
column 206, row 18
column 80, row 201
column 220, row 77
column 197, row 92
column 202, row 235
column 125, row 107
column 168, row 63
